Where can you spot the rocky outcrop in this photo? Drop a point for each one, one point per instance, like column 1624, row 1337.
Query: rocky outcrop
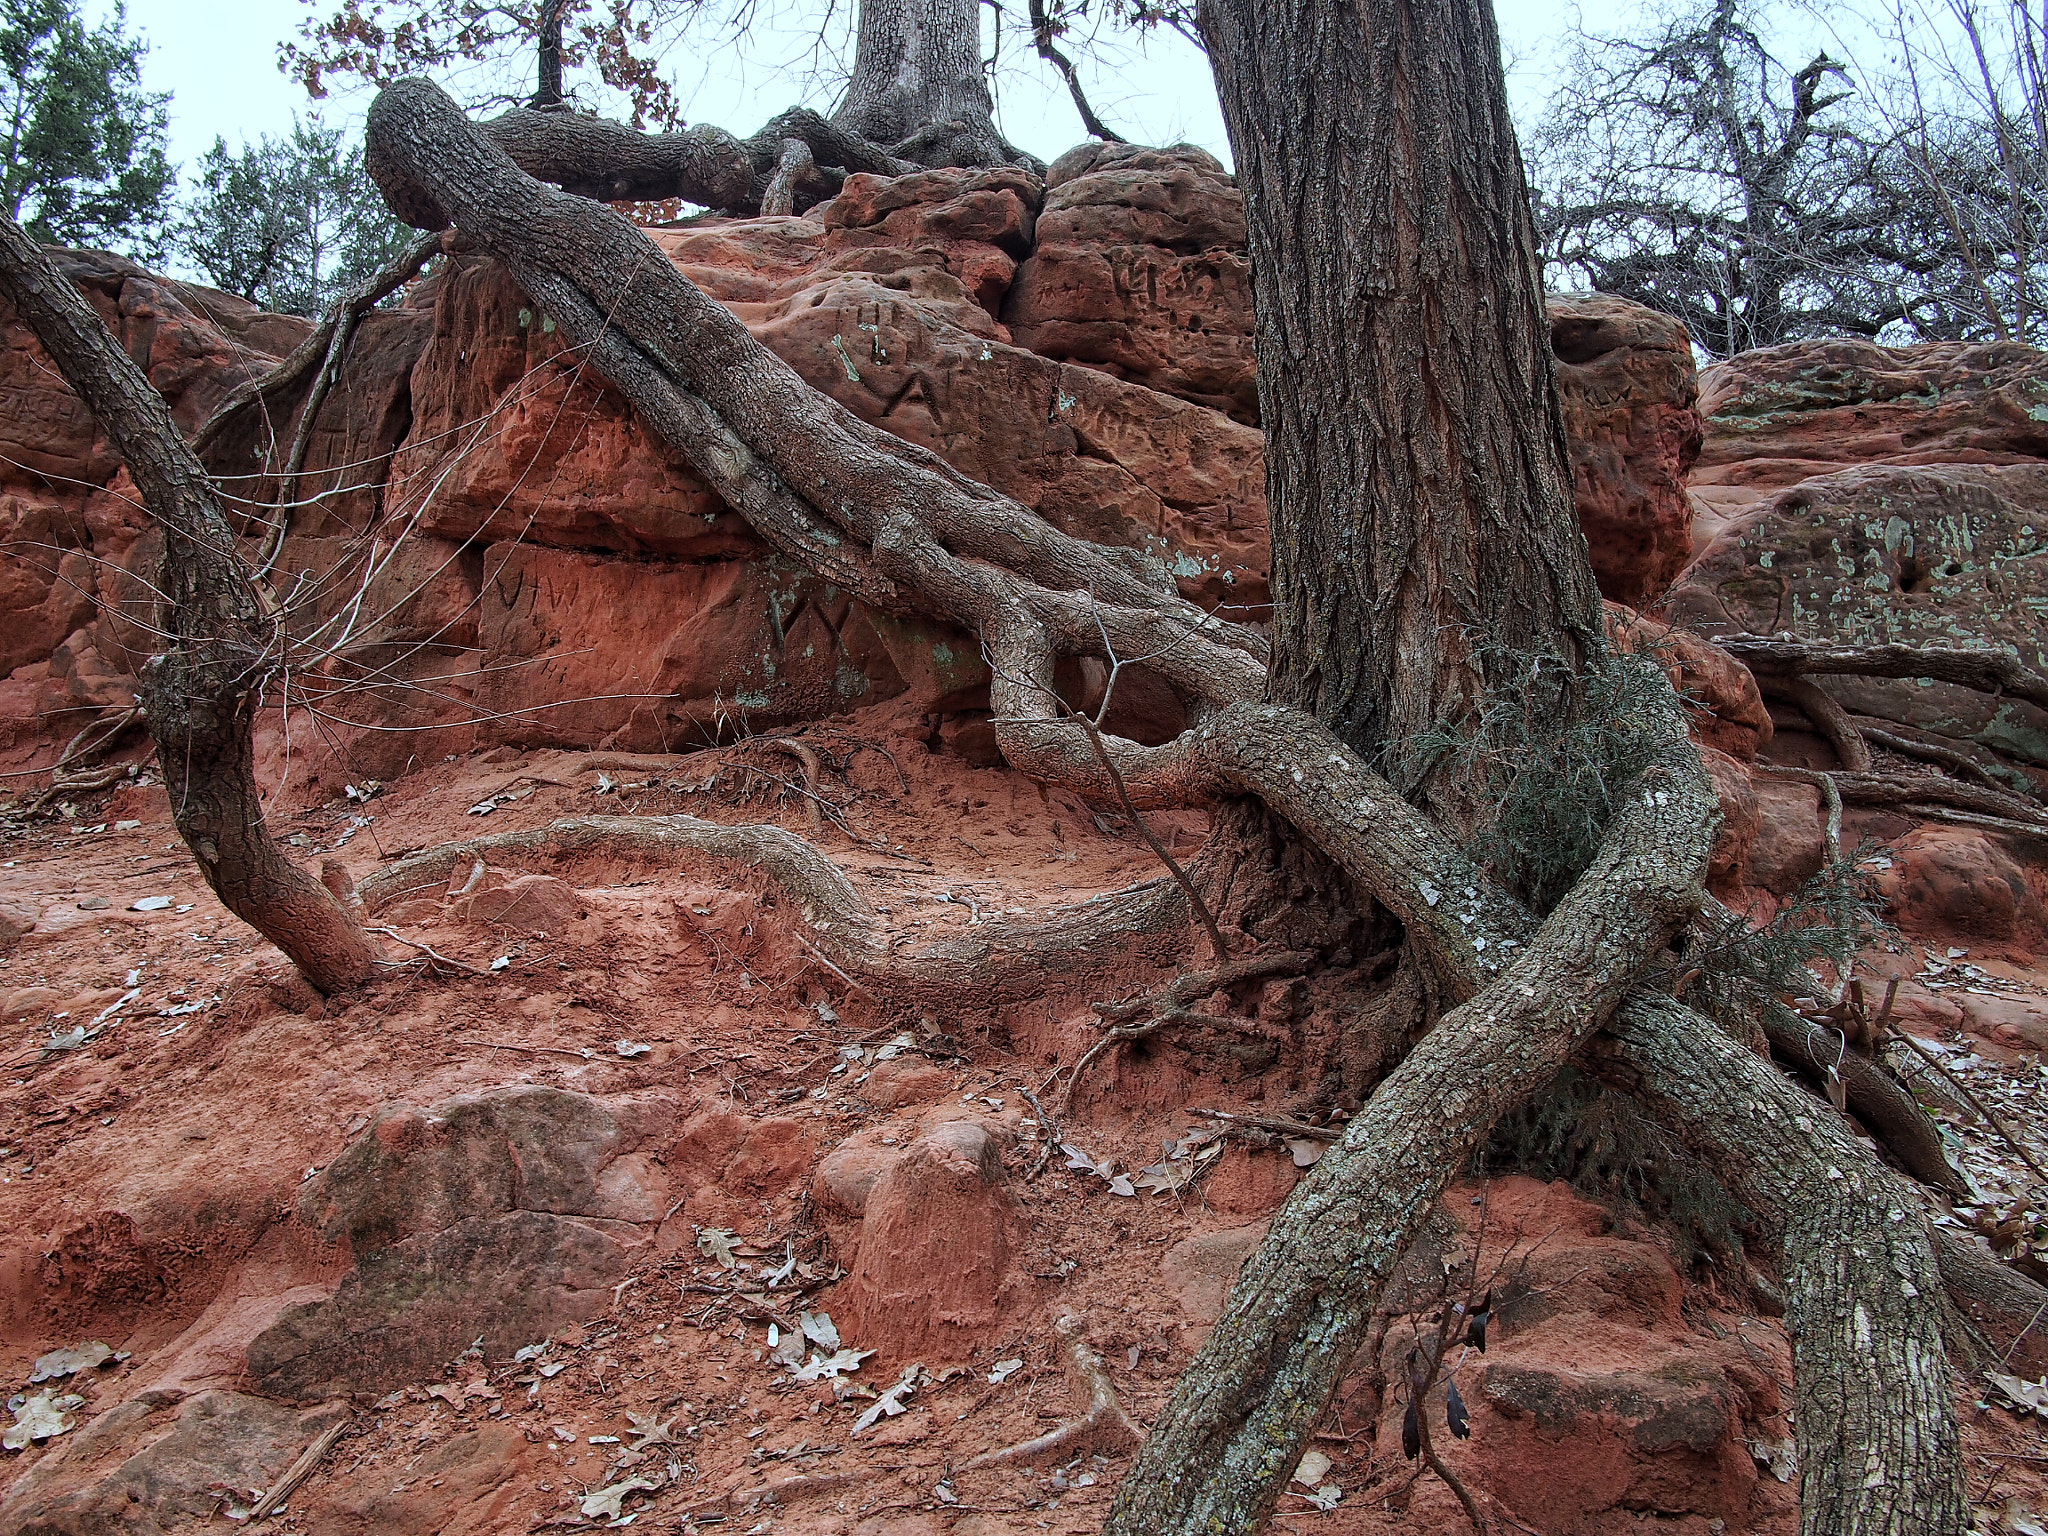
column 1626, row 382
column 1937, row 555
column 1083, row 346
column 1779, row 415
column 502, row 1216
column 1140, row 271
column 157, row 1463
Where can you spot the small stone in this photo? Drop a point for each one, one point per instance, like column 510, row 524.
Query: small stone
column 93, row 903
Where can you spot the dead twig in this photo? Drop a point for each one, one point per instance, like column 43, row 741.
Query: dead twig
column 298, row 1471
column 1104, row 1426
column 1170, row 1006
column 434, row 957
column 1048, row 1130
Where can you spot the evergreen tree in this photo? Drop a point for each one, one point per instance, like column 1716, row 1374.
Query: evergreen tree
column 288, row 222
column 83, row 143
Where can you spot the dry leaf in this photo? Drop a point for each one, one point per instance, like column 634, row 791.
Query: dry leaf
column 890, row 1403
column 716, row 1243
column 37, row 1419
column 820, row 1366
column 607, row 1502
column 1311, row 1470
column 62, row 1362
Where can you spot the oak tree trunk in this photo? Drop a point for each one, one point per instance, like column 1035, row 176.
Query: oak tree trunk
column 1416, row 474
column 918, row 84
column 199, row 693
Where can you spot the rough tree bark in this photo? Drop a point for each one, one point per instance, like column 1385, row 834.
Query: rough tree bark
column 918, row 85
column 1416, row 478
column 899, row 528
column 199, row 692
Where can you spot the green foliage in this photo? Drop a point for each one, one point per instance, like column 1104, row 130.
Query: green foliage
column 83, row 142
column 1553, row 762
column 288, row 223
column 1601, row 1144
column 1733, row 970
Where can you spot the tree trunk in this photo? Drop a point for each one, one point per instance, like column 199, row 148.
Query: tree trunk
column 199, row 693
column 1416, row 476
column 548, row 92
column 918, row 84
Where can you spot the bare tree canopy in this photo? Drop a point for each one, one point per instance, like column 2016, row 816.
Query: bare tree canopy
column 1687, row 166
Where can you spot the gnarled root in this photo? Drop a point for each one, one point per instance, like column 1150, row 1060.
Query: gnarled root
column 1170, row 1006
column 900, row 529
column 1870, row 1093
column 1105, row 1426
column 999, row 954
column 2004, row 1314
column 1877, row 1439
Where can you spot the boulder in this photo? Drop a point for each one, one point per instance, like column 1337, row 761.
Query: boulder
column 502, row 1215
column 1943, row 555
column 1140, row 270
column 1626, row 381
column 1741, row 819
column 1197, row 1272
column 1957, row 884
column 155, row 1464
column 933, row 1264
column 526, row 904
column 1781, row 414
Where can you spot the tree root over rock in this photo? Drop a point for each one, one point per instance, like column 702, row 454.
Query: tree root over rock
column 1105, row 1426
column 895, row 526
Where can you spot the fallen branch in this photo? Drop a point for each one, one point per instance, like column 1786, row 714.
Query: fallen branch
column 1105, row 1425
column 298, row 1471
column 433, row 956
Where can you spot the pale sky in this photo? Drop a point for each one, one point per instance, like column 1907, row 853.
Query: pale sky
column 219, row 62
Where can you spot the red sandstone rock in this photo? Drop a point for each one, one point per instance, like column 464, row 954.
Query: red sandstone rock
column 935, row 1243
column 1723, row 707
column 1928, row 556
column 1741, row 818
column 1626, row 381
column 1140, row 270
column 1957, row 882
column 526, row 904
column 1781, row 414
column 904, row 1081
column 1788, row 846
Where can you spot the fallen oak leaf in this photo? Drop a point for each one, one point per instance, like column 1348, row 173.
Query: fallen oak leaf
column 890, row 1403
column 609, row 1502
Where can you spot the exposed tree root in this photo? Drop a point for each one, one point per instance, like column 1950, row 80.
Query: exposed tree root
column 1870, row 1093
column 199, row 692
column 1170, row 1006
column 997, row 955
column 322, row 347
column 788, row 1490
column 1986, row 671
column 1913, row 791
column 2006, row 1313
column 1877, row 1439
column 1104, row 1426
column 1829, row 717
column 898, row 528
